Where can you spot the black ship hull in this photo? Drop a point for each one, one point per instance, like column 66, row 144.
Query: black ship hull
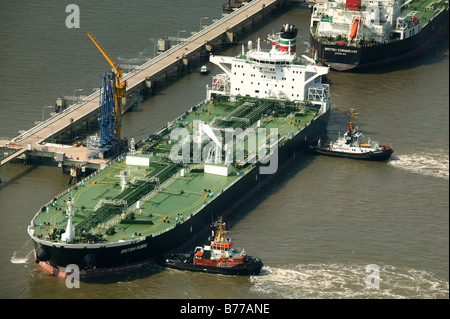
column 104, row 259
column 357, row 57
column 381, row 155
column 184, row 262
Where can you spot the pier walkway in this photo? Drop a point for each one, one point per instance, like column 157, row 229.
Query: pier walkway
column 33, row 139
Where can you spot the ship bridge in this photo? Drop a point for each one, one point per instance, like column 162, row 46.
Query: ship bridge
column 270, row 74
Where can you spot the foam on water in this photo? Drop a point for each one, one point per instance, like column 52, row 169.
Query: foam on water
column 18, row 260
column 436, row 164
column 347, row 281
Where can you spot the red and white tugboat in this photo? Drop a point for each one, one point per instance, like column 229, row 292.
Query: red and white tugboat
column 219, row 257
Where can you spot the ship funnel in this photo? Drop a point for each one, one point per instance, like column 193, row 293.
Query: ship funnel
column 353, row 5
column 288, row 41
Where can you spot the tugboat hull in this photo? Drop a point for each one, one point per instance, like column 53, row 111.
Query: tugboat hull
column 185, row 262
column 381, row 155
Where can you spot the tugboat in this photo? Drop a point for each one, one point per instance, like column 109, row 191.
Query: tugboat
column 351, row 146
column 218, row 258
column 204, row 70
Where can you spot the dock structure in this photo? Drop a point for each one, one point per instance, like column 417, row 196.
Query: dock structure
column 143, row 78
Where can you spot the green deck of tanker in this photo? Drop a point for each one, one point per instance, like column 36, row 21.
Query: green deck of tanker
column 158, row 195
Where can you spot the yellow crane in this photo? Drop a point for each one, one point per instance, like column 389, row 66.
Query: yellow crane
column 121, row 86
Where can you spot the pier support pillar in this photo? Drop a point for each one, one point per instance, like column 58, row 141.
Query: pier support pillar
column 209, row 47
column 230, row 36
column 150, row 86
column 71, row 128
column 187, row 63
column 180, row 66
column 183, row 63
column 27, row 160
column 204, row 55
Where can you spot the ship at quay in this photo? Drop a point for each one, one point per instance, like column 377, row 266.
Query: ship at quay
column 258, row 116
column 358, row 34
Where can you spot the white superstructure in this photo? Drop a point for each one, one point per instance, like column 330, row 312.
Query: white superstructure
column 274, row 74
column 367, row 20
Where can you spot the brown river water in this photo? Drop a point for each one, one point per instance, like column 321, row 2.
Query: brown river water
column 317, row 227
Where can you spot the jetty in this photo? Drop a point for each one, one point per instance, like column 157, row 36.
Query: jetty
column 141, row 80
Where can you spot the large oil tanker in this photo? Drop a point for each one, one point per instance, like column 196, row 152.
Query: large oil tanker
column 258, row 115
column 357, row 34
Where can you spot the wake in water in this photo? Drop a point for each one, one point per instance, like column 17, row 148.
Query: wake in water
column 17, row 260
column 326, row 281
column 436, row 164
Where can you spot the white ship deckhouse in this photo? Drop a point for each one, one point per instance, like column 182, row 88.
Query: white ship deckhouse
column 276, row 73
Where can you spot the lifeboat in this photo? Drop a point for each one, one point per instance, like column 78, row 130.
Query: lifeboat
column 354, row 29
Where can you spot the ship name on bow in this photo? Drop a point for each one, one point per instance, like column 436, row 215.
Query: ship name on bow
column 133, row 248
column 340, row 50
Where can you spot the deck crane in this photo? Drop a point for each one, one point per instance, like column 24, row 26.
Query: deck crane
column 120, row 85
